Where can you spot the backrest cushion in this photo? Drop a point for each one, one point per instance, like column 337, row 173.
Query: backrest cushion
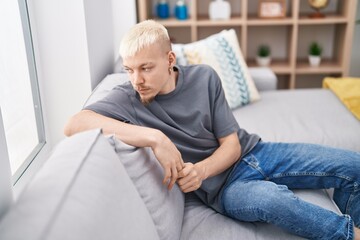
column 165, row 207
column 81, row 192
column 105, row 86
column 222, row 52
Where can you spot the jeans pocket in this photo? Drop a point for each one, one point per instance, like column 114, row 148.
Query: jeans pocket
column 252, row 161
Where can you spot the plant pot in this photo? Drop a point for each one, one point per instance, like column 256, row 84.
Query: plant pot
column 263, row 61
column 219, row 10
column 314, row 60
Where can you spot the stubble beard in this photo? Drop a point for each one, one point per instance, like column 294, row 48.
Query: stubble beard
column 146, row 101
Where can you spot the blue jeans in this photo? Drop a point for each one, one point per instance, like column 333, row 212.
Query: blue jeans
column 257, row 189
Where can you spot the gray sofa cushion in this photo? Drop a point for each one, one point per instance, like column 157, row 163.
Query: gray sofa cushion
column 302, row 115
column 165, row 207
column 81, row 192
column 264, row 78
column 105, row 86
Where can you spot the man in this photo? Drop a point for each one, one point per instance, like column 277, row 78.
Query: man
column 181, row 113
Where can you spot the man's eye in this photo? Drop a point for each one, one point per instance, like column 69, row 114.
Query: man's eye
column 129, row 70
column 147, row 69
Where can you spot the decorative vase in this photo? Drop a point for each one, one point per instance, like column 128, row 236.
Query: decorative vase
column 219, row 10
column 263, row 61
column 162, row 9
column 181, row 10
column 314, row 60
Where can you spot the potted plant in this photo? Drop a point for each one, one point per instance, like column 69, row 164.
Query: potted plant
column 315, row 51
column 263, row 57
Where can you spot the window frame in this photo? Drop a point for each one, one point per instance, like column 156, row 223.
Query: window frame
column 30, row 54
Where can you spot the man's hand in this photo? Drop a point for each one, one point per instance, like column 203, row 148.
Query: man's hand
column 170, row 159
column 190, row 177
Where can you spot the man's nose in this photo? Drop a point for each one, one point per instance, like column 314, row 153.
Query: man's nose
column 137, row 78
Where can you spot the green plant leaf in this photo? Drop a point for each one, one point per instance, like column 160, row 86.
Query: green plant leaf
column 315, row 49
column 264, row 51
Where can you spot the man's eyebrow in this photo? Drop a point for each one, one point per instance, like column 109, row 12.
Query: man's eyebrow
column 141, row 65
column 144, row 64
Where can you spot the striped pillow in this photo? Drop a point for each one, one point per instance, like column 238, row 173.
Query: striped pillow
column 222, row 52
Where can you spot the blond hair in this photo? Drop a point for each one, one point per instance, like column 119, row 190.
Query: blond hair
column 142, row 35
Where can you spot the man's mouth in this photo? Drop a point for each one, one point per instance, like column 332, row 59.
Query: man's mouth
column 142, row 90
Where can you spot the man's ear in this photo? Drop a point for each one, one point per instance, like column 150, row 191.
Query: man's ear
column 172, row 58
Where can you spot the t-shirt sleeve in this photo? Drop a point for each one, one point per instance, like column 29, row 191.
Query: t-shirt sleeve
column 224, row 122
column 117, row 105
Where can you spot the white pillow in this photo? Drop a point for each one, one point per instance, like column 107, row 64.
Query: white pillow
column 222, row 52
column 165, row 207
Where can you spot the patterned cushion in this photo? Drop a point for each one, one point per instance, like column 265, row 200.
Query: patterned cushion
column 222, row 52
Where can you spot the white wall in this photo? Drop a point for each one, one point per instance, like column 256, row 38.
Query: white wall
column 76, row 44
column 124, row 16
column 106, row 23
column 62, row 57
column 100, row 40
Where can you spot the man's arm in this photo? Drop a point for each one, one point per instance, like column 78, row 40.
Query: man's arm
column 165, row 151
column 229, row 151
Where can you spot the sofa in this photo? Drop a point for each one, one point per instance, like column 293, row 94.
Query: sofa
column 97, row 187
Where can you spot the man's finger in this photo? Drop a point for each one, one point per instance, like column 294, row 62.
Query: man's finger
column 190, row 189
column 180, row 166
column 185, row 185
column 167, row 176
column 174, row 176
column 185, row 171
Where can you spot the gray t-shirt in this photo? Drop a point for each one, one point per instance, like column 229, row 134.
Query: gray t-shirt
column 193, row 116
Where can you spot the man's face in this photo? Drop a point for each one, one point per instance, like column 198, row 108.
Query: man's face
column 149, row 73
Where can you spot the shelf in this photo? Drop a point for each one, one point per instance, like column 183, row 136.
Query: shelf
column 326, row 67
column 281, row 67
column 332, row 19
column 173, row 22
column 289, row 37
column 204, row 21
column 278, row 66
column 255, row 21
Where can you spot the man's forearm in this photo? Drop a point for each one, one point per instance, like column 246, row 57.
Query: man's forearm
column 224, row 157
column 130, row 134
column 165, row 151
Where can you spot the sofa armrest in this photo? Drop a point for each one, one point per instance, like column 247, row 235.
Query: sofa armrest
column 264, row 78
column 83, row 191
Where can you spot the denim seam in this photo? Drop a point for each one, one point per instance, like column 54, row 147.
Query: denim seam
column 350, row 233
column 349, row 228
column 349, row 202
column 279, row 175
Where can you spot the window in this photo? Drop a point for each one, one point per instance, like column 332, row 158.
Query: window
column 19, row 93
